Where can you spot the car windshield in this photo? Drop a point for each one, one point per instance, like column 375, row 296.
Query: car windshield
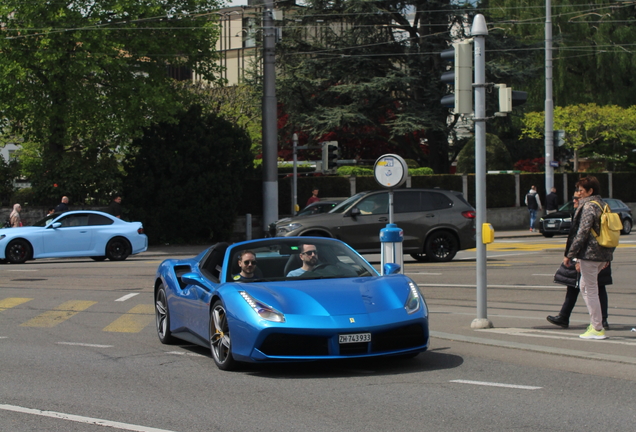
column 46, row 221
column 567, row 207
column 322, row 207
column 276, row 258
column 340, row 208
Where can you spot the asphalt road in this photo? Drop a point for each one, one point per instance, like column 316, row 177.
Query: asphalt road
column 79, row 352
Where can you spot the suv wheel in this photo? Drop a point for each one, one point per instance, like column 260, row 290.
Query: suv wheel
column 627, row 227
column 419, row 257
column 441, row 246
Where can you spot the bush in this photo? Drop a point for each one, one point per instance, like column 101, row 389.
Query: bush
column 497, row 156
column 420, row 171
column 354, row 170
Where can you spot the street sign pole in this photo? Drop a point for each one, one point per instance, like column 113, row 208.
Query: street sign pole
column 479, row 32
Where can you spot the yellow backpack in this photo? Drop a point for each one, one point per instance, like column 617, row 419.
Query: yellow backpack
column 611, row 227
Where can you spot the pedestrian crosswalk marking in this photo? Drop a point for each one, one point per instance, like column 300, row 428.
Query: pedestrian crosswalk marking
column 134, row 321
column 11, row 302
column 59, row 314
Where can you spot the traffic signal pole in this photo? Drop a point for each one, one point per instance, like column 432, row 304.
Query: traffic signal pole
column 479, row 31
column 549, row 104
column 269, row 123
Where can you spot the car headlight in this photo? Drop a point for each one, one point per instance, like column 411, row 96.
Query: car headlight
column 414, row 299
column 567, row 219
column 289, row 227
column 541, row 220
column 263, row 310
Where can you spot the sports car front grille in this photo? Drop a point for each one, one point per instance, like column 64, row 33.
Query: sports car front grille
column 280, row 344
column 398, row 338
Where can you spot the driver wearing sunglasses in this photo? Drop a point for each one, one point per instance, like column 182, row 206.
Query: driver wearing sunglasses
column 247, row 263
column 309, row 258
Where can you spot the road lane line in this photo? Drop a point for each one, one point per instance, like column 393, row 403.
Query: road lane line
column 555, row 334
column 59, row 314
column 126, row 297
column 492, row 384
column 84, row 344
column 81, row 419
column 184, row 353
column 11, row 302
column 134, row 321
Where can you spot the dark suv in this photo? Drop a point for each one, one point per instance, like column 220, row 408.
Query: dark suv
column 560, row 222
column 436, row 223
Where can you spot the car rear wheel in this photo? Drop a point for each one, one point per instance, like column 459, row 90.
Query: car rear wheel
column 220, row 342
column 100, row 258
column 18, row 251
column 441, row 246
column 117, row 249
column 627, row 226
column 419, row 257
column 548, row 235
column 162, row 317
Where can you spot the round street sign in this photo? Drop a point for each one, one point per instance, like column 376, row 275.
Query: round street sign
column 390, row 171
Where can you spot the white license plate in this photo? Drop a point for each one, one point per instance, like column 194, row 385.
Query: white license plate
column 354, row 338
column 551, row 225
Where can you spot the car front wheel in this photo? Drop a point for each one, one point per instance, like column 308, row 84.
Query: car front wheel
column 441, row 246
column 18, row 251
column 220, row 342
column 627, row 227
column 117, row 249
column 162, row 317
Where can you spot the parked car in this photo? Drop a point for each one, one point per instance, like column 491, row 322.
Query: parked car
column 560, row 221
column 341, row 309
column 73, row 234
column 436, row 223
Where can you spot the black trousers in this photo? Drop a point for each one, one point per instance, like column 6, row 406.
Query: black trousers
column 572, row 294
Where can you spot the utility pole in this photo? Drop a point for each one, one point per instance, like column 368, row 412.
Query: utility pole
column 479, row 31
column 270, row 132
column 295, row 174
column 549, row 105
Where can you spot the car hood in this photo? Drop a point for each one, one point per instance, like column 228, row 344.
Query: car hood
column 330, row 297
column 557, row 215
column 20, row 230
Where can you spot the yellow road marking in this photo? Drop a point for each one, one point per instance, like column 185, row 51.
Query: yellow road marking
column 59, row 314
column 134, row 321
column 10, row 302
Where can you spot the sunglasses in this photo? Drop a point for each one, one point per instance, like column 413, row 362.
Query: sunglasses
column 311, row 252
column 248, row 262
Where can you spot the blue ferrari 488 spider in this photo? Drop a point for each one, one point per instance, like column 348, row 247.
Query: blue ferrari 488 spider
column 289, row 299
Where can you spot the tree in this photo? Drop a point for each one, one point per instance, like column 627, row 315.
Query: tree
column 593, row 60
column 80, row 79
column 185, row 180
column 497, row 156
column 597, row 132
column 9, row 171
column 367, row 74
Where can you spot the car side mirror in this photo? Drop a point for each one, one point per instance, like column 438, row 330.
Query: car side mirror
column 354, row 212
column 391, row 268
column 55, row 225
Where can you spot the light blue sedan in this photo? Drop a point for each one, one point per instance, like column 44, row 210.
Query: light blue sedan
column 73, row 234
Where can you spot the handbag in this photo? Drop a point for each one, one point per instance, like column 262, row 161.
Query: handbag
column 567, row 275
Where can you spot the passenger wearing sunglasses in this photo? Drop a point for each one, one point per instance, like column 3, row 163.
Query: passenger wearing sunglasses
column 247, row 263
column 309, row 257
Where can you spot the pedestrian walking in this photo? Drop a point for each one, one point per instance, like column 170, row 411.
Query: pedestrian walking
column 114, row 208
column 571, row 278
column 533, row 202
column 591, row 257
column 314, row 196
column 14, row 217
column 551, row 201
column 62, row 206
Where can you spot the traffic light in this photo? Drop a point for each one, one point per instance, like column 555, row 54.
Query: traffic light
column 519, row 98
column 330, row 155
column 461, row 78
column 509, row 98
column 558, row 137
